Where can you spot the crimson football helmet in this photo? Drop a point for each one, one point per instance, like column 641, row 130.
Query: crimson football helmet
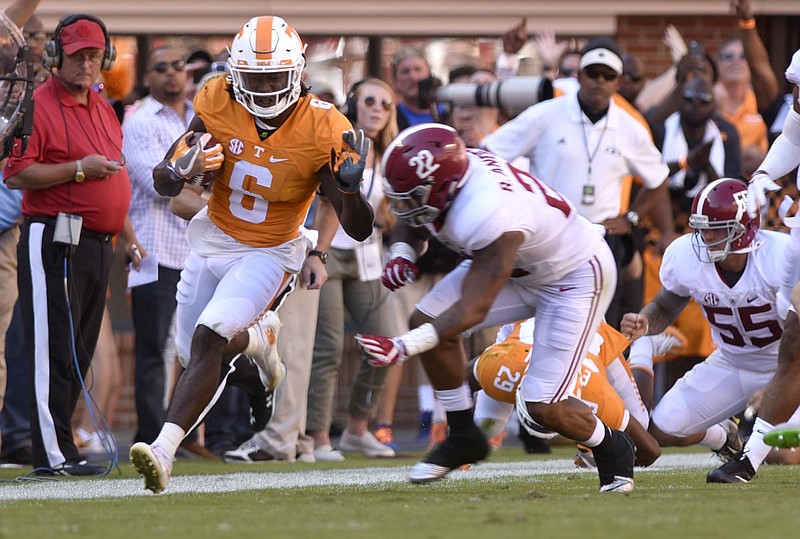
column 721, row 205
column 424, row 167
column 266, row 66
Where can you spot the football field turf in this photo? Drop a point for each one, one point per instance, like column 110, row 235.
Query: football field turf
column 512, row 496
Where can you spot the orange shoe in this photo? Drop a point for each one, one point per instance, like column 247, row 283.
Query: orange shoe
column 496, row 441
column 385, row 435
column 438, row 434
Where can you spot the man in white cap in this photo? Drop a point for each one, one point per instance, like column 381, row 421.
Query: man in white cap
column 584, row 146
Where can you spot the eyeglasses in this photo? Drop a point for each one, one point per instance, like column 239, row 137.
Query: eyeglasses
column 35, row 36
column 597, row 73
column 81, row 58
column 566, row 71
column 730, row 56
column 385, row 103
column 700, row 98
column 633, row 78
column 163, row 67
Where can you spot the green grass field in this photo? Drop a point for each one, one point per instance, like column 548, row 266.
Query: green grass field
column 351, row 500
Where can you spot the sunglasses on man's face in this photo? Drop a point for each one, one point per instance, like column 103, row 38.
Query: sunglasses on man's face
column 163, row 67
column 633, row 78
column 730, row 56
column 593, row 73
column 385, row 103
column 698, row 98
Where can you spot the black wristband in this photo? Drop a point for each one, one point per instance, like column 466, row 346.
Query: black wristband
column 323, row 255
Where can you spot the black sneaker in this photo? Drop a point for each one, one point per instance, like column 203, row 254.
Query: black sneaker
column 76, row 467
column 455, row 451
column 733, row 444
column 532, row 444
column 249, row 452
column 262, row 400
column 738, row 470
column 615, row 463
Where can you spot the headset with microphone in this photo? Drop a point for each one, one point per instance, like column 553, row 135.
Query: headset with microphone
column 351, row 103
column 53, row 56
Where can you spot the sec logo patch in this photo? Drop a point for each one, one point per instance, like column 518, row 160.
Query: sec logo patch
column 236, row 146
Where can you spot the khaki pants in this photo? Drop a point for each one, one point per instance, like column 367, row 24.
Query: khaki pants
column 8, row 294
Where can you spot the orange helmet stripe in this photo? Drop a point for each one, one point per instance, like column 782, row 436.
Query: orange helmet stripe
column 264, row 45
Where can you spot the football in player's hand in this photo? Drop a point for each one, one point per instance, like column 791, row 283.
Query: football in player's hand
column 208, row 176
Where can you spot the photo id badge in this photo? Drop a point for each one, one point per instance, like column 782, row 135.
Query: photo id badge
column 588, row 195
column 368, row 257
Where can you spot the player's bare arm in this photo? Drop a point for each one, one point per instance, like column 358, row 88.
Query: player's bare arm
column 313, row 273
column 655, row 316
column 189, row 201
column 491, row 268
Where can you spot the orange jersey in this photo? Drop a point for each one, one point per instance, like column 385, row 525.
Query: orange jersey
column 500, row 368
column 749, row 123
column 264, row 188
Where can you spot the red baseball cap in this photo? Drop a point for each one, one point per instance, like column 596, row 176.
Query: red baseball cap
column 83, row 34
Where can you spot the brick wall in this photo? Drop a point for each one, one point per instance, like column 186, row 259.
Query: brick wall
column 642, row 36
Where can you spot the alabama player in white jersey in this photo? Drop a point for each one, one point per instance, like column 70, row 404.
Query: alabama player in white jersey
column 528, row 252
column 782, row 395
column 734, row 271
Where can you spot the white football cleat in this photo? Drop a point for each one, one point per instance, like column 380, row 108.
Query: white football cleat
column 153, row 463
column 425, row 472
column 620, row 484
column 271, row 368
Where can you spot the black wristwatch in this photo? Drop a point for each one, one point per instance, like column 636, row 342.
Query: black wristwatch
column 323, row 255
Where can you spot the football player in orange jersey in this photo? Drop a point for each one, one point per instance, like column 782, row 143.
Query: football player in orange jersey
column 276, row 146
column 604, row 382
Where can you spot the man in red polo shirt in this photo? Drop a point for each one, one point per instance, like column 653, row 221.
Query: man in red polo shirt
column 76, row 198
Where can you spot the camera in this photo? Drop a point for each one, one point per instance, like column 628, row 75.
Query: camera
column 509, row 95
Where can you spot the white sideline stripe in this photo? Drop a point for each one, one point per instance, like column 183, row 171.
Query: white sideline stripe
column 122, row 488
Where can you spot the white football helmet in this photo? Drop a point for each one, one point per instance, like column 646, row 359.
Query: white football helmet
column 266, row 64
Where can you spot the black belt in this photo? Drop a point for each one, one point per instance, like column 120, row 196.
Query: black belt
column 85, row 232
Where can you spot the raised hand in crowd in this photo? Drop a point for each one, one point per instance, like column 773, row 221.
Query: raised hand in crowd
column 675, row 43
column 550, row 50
column 516, row 37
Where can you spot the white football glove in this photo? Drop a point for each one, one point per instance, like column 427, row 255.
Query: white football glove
column 757, row 189
column 788, row 211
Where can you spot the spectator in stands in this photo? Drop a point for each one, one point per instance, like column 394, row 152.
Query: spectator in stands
column 409, row 67
column 353, row 284
column 747, row 86
column 36, row 37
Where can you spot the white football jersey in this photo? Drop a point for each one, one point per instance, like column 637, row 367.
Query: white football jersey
column 496, row 198
column 744, row 318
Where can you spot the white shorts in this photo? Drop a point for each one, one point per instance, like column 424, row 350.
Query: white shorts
column 227, row 295
column 568, row 312
column 711, row 392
